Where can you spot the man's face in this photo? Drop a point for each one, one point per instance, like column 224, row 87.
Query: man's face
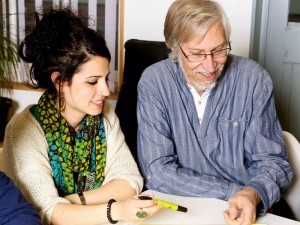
column 202, row 75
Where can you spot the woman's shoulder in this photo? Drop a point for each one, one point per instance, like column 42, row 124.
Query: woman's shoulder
column 24, row 118
column 23, row 126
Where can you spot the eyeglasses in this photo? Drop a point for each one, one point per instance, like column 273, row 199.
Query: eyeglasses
column 201, row 57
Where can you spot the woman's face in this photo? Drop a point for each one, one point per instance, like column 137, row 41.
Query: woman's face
column 87, row 91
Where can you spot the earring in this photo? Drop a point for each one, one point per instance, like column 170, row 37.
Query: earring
column 61, row 103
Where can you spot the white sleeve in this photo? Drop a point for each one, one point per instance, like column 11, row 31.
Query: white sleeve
column 120, row 163
column 27, row 163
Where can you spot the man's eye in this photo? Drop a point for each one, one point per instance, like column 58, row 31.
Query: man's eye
column 219, row 50
column 199, row 54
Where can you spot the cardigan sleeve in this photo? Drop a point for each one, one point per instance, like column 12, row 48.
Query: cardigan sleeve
column 24, row 144
column 120, row 163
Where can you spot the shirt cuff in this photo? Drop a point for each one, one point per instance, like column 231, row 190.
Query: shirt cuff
column 232, row 189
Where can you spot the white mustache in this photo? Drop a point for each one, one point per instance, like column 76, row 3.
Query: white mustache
column 205, row 72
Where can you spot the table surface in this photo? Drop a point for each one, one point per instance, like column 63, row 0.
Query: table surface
column 201, row 211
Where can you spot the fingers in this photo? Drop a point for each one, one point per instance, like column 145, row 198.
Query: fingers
column 148, row 204
column 242, row 209
column 232, row 221
column 136, row 210
column 150, row 211
column 242, row 215
column 144, row 201
column 233, row 211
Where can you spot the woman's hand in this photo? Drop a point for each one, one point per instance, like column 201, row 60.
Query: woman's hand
column 127, row 210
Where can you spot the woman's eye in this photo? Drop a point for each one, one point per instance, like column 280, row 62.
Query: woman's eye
column 92, row 82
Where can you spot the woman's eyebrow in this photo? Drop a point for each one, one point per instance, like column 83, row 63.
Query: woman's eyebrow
column 100, row 75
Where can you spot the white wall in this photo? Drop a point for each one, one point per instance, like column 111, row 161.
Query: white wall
column 21, row 99
column 144, row 19
column 240, row 18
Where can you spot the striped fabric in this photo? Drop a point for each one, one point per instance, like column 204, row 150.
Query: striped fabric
column 238, row 143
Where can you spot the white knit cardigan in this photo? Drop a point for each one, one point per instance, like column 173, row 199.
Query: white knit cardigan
column 27, row 162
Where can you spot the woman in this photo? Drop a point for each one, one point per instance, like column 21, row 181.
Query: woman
column 67, row 154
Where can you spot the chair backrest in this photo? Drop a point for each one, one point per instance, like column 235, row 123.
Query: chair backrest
column 292, row 195
column 139, row 54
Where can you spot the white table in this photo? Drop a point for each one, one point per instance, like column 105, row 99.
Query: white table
column 202, row 211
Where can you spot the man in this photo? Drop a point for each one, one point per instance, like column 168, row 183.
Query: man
column 14, row 209
column 207, row 120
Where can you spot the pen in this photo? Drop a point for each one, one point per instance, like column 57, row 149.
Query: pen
column 165, row 204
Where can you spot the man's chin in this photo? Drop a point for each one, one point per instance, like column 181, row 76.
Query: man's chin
column 204, row 87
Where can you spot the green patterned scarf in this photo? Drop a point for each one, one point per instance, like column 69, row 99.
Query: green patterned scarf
column 77, row 159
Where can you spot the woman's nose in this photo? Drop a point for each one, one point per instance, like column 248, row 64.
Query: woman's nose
column 104, row 90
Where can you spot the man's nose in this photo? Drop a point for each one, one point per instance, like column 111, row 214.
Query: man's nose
column 209, row 63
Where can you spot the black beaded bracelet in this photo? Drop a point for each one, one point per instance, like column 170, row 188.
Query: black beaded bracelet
column 108, row 212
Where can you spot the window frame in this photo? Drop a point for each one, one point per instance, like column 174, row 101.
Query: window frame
column 114, row 37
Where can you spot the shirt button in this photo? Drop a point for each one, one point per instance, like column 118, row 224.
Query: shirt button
column 235, row 124
column 199, row 119
column 199, row 102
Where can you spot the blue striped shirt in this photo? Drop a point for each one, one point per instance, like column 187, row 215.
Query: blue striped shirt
column 238, row 143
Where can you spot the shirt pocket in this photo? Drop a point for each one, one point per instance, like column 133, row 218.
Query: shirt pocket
column 231, row 127
column 231, row 133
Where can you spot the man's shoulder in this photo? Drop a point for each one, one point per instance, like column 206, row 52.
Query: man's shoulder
column 239, row 67
column 241, row 62
column 157, row 72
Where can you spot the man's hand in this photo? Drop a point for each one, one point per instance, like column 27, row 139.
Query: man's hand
column 242, row 207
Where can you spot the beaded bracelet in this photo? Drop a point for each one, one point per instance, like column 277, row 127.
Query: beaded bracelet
column 108, row 211
column 82, row 198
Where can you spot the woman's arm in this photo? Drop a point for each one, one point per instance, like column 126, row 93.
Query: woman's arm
column 97, row 214
column 116, row 189
column 27, row 163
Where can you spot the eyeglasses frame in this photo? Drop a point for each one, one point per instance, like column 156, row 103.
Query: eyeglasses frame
column 205, row 55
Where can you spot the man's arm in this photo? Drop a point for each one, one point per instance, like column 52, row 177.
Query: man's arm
column 265, row 151
column 159, row 162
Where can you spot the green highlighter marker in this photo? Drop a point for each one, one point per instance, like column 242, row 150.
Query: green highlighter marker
column 170, row 205
column 165, row 204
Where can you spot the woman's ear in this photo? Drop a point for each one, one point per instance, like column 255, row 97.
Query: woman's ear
column 54, row 79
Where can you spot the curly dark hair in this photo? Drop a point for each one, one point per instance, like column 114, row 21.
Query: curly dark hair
column 60, row 42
